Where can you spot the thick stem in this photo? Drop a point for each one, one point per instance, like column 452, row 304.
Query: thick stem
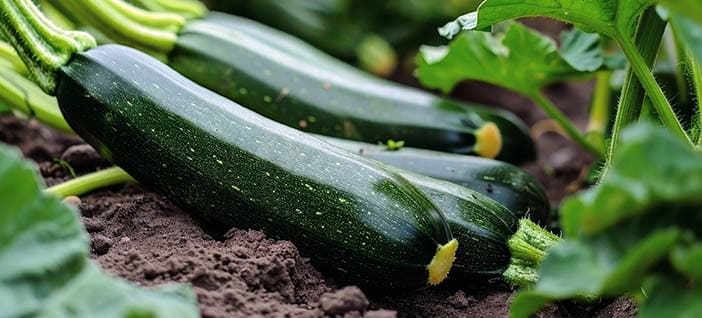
column 599, row 109
column 43, row 47
column 528, row 246
column 640, row 67
column 567, row 125
column 26, row 97
column 90, row 182
column 648, row 40
column 696, row 74
column 10, row 59
column 126, row 24
column 188, row 9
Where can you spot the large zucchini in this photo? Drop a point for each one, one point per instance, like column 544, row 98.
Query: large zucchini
column 319, row 99
column 511, row 186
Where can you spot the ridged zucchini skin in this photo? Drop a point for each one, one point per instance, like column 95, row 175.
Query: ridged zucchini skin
column 237, row 168
column 327, row 100
column 514, row 188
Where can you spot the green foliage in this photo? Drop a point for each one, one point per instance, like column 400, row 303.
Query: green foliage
column 646, row 213
column 44, row 259
column 602, row 16
column 519, row 59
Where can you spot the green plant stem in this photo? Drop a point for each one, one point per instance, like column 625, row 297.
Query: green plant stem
column 528, row 246
column 567, row 125
column 10, row 59
column 599, row 109
column 154, row 32
column 649, row 35
column 41, row 45
column 675, row 51
column 654, row 91
column 696, row 74
column 90, row 182
column 188, row 9
column 26, row 97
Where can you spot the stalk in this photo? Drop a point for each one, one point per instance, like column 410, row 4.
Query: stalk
column 567, row 125
column 599, row 110
column 649, row 35
column 42, row 46
column 153, row 32
column 528, row 246
column 22, row 95
column 642, row 70
column 90, row 182
column 188, row 9
column 696, row 74
column 10, row 59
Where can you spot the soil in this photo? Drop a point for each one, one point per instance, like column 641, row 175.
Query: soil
column 145, row 238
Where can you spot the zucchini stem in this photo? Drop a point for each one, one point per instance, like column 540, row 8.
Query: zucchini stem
column 648, row 41
column 528, row 246
column 154, row 32
column 27, row 98
column 90, row 182
column 565, row 123
column 643, row 72
column 599, row 110
column 42, row 46
column 188, row 9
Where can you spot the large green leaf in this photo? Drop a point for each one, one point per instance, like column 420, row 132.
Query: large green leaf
column 602, row 16
column 671, row 298
column 44, row 265
column 651, row 167
column 520, row 59
column 610, row 264
column 646, row 212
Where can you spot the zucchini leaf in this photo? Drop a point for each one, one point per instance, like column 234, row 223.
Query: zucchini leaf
column 583, row 51
column 602, row 16
column 44, row 260
column 641, row 222
column 667, row 299
column 519, row 59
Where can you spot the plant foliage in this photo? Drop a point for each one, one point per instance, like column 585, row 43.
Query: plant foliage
column 44, row 260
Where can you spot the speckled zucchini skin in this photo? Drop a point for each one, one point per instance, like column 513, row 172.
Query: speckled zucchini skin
column 236, row 168
column 511, row 186
column 328, row 100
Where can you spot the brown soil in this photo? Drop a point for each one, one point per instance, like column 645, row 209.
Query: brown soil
column 143, row 237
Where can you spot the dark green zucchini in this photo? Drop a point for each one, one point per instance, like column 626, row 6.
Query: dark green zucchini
column 511, row 186
column 321, row 100
column 237, row 168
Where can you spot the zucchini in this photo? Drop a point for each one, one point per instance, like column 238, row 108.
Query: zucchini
column 514, row 188
column 483, row 226
column 321, row 100
column 231, row 166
